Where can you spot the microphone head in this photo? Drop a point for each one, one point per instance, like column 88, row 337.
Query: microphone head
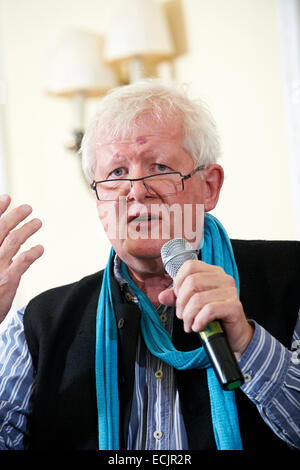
column 174, row 253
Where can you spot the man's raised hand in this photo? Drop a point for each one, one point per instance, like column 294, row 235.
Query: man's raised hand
column 12, row 263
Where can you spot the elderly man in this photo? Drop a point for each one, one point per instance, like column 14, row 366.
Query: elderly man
column 115, row 360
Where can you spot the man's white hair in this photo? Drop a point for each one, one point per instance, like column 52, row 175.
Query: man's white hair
column 120, row 109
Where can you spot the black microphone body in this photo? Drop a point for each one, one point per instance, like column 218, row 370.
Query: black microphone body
column 174, row 253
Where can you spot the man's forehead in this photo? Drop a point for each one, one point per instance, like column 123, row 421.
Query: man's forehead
column 138, row 140
column 143, row 131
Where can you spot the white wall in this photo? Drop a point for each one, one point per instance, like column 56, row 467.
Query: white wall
column 232, row 61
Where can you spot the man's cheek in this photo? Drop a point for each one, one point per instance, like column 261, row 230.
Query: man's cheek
column 184, row 221
column 108, row 216
column 193, row 226
column 113, row 216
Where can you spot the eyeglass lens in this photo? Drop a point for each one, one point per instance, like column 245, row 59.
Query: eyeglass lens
column 161, row 185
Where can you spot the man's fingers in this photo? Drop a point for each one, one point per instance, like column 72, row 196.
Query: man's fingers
column 167, row 297
column 203, row 283
column 15, row 239
column 12, row 236
column 22, row 262
column 238, row 330
column 4, row 202
column 191, row 267
column 198, row 304
column 12, row 219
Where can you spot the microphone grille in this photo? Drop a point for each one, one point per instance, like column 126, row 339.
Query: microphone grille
column 174, row 253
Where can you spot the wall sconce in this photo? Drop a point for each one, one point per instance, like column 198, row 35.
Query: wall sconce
column 137, row 38
column 77, row 71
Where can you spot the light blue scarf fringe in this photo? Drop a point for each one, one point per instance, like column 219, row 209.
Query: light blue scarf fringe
column 216, row 250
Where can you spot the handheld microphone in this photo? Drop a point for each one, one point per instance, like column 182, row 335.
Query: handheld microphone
column 174, row 253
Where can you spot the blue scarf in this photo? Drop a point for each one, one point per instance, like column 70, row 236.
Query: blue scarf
column 216, row 250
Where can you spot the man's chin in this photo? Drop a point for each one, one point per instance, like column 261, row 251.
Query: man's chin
column 144, row 248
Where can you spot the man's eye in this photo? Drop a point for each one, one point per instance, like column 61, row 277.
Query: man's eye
column 116, row 173
column 161, row 167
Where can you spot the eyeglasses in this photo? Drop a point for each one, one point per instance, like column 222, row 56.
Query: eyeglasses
column 162, row 184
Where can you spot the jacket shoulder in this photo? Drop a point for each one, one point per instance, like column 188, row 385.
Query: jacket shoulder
column 58, row 295
column 281, row 246
column 52, row 309
column 274, row 256
column 269, row 273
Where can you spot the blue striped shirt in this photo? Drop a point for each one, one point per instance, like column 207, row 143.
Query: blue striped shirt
column 272, row 382
column 16, row 383
column 272, row 375
column 156, row 421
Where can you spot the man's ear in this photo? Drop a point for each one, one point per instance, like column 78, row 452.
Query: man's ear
column 214, row 177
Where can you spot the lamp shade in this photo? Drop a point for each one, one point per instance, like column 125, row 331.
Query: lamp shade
column 137, row 28
column 76, row 65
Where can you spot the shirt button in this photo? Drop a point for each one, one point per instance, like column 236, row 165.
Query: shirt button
column 247, row 377
column 163, row 317
column 121, row 323
column 157, row 434
column 128, row 297
column 159, row 374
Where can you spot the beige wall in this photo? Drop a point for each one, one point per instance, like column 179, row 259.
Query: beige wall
column 232, row 61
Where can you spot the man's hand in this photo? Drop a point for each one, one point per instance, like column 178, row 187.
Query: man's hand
column 203, row 293
column 11, row 266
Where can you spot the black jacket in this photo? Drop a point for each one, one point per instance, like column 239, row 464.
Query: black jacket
column 60, row 331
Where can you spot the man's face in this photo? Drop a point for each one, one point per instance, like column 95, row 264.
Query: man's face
column 139, row 225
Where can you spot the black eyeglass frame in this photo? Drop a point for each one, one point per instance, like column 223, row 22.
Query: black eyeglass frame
column 94, row 183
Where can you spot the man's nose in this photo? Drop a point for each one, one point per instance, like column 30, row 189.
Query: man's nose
column 138, row 191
